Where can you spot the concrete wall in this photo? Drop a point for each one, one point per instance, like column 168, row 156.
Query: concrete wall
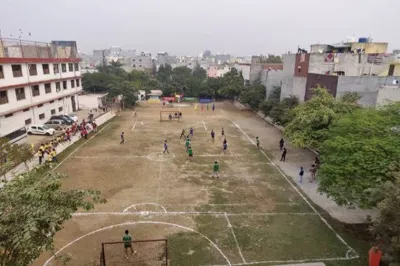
column 351, row 64
column 289, row 62
column 271, row 79
column 293, row 86
column 388, row 94
column 366, row 86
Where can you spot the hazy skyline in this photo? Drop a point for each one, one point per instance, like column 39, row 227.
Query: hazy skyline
column 189, row 27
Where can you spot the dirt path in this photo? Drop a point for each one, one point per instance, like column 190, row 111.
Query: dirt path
column 269, row 137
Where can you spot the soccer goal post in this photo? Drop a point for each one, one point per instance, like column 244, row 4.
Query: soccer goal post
column 165, row 115
column 145, row 252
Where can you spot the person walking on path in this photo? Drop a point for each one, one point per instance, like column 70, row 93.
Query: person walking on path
column 313, row 171
column 258, row 143
column 283, row 157
column 301, row 173
column 166, row 147
column 122, row 138
column 216, row 170
column 281, row 143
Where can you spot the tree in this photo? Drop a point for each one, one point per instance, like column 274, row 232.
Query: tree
column 98, row 82
column 361, row 152
column 253, row 95
column 386, row 226
column 126, row 89
column 281, row 113
column 313, row 118
column 214, row 85
column 274, row 59
column 273, row 99
column 232, row 84
column 33, row 208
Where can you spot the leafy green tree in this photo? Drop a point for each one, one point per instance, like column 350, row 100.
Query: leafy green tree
column 313, row 118
column 164, row 73
column 360, row 153
column 199, row 72
column 386, row 226
column 232, row 84
column 273, row 100
column 281, row 113
column 126, row 89
column 98, row 82
column 253, row 95
column 33, row 208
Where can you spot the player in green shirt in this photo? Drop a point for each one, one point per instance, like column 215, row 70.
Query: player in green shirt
column 190, row 152
column 128, row 244
column 216, row 170
column 258, row 143
column 187, row 143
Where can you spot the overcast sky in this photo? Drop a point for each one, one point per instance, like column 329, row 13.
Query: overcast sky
column 239, row 27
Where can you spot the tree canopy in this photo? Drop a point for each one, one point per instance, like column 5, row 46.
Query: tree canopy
column 312, row 119
column 360, row 153
column 33, row 208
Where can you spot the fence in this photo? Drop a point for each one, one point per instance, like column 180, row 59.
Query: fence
column 148, row 252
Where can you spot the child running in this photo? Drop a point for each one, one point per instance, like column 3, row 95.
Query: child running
column 258, row 143
column 190, row 152
column 225, row 145
column 122, row 138
column 222, row 133
column 216, row 170
column 166, row 147
column 187, row 143
column 212, row 135
column 191, row 131
column 183, row 134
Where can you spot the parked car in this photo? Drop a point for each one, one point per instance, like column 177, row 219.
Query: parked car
column 40, row 130
column 66, row 118
column 57, row 124
column 73, row 117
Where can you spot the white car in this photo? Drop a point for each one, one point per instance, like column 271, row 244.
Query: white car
column 73, row 117
column 40, row 130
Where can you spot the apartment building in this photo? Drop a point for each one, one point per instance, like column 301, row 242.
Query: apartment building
column 37, row 80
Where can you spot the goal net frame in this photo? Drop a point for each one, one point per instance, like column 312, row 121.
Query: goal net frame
column 173, row 112
column 135, row 243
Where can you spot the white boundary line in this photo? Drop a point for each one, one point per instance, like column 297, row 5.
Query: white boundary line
column 135, row 223
column 145, row 203
column 142, row 213
column 134, row 125
column 158, row 181
column 69, row 155
column 304, row 198
column 234, row 236
column 204, row 124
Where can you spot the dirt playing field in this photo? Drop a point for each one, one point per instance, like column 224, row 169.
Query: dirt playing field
column 252, row 214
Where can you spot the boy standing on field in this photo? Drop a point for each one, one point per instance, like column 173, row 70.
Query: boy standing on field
column 258, row 143
column 190, row 152
column 182, row 134
column 128, row 244
column 166, row 147
column 122, row 138
column 215, row 170
column 212, row 135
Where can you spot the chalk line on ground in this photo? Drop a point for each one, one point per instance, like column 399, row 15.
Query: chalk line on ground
column 137, row 223
column 302, row 196
column 134, row 125
column 204, row 124
column 234, row 236
column 141, row 213
column 158, row 182
column 144, row 203
column 69, row 155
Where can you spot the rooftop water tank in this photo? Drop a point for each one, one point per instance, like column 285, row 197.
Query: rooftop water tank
column 363, row 39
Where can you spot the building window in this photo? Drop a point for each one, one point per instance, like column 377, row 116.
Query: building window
column 17, row 71
column 28, row 122
column 25, row 110
column 40, row 105
column 53, row 111
column 60, row 109
column 3, row 97
column 46, row 69
column 35, row 90
column 134, row 60
column 51, row 102
column 140, row 65
column 8, row 115
column 56, row 69
column 60, row 99
column 1, row 72
column 41, row 116
column 64, row 84
column 32, row 70
column 72, row 83
column 58, row 86
column 70, row 67
column 63, row 68
column 134, row 65
column 20, row 93
column 78, row 83
column 76, row 66
column 47, row 87
column 140, row 60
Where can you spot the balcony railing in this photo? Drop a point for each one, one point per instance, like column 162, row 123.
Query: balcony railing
column 14, row 48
